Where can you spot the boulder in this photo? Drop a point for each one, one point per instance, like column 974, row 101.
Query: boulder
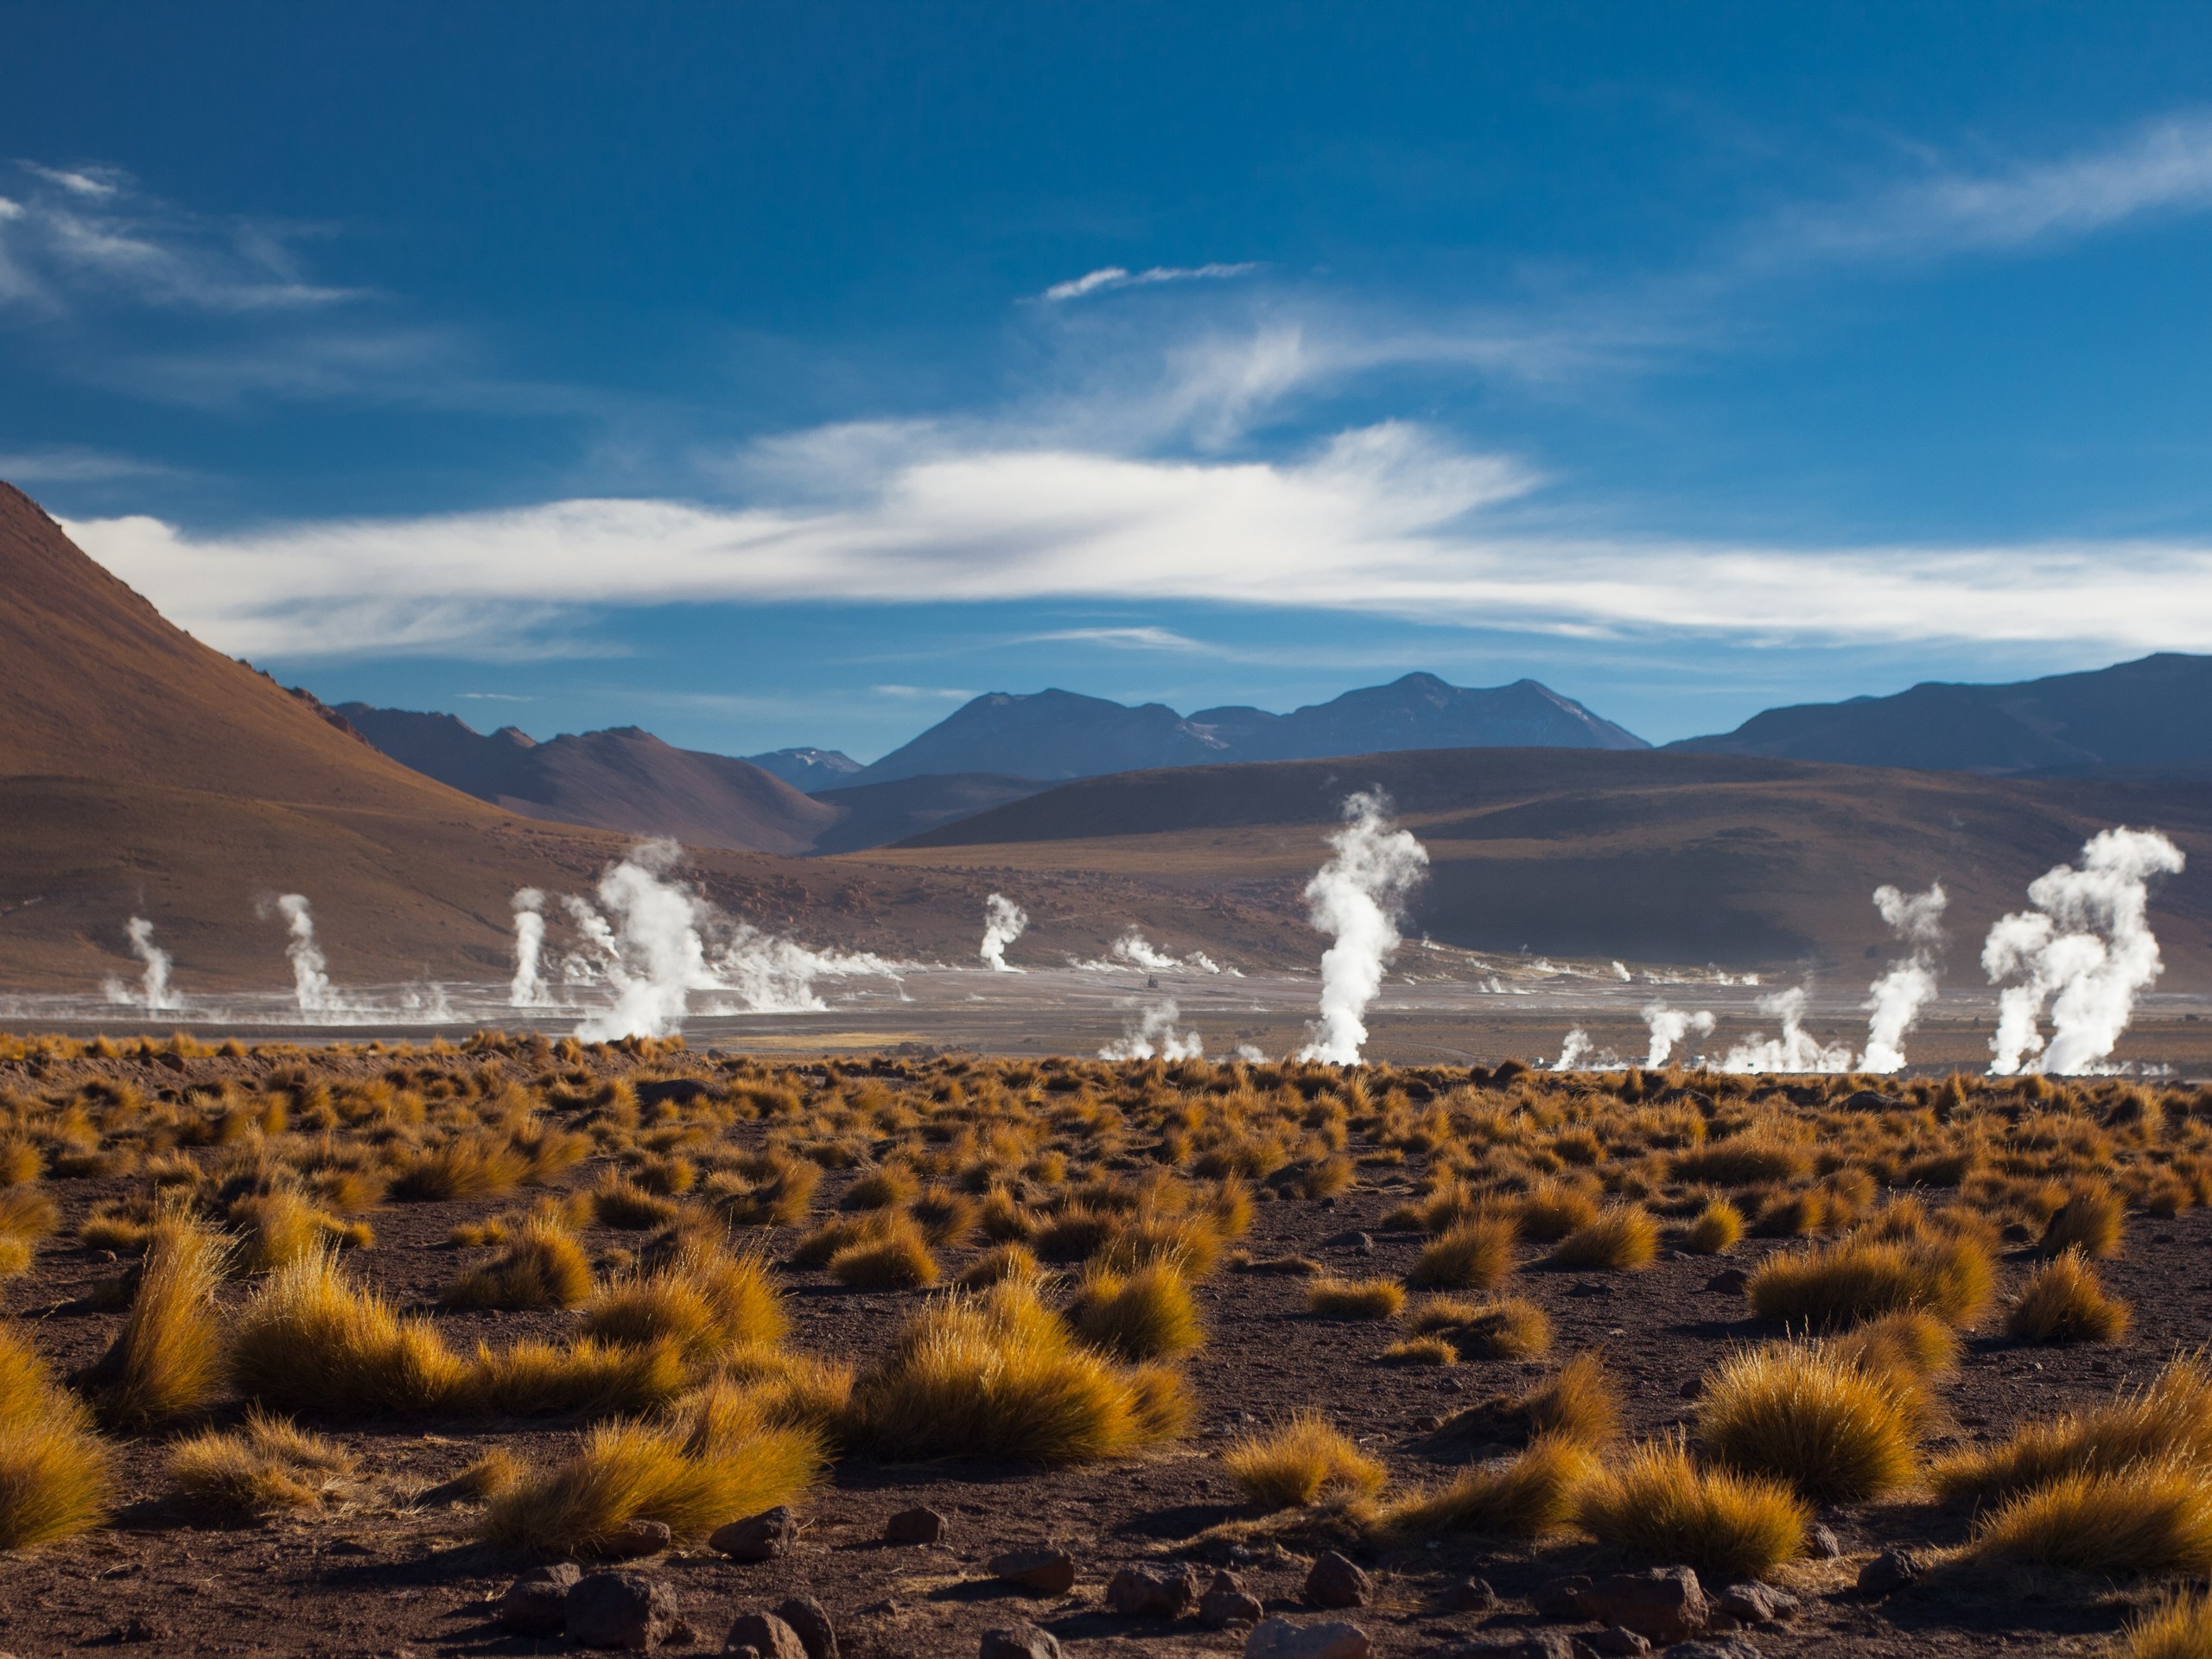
column 1227, row 1602
column 1020, row 1642
column 632, row 1540
column 1330, row 1638
column 1729, row 1281
column 1561, row 1598
column 1046, row 1571
column 1889, row 1572
column 914, row 1527
column 1618, row 1638
column 765, row 1635
column 1471, row 1596
column 620, row 1609
column 1664, row 1603
column 1151, row 1592
column 1822, row 1545
column 1756, row 1603
column 760, row 1537
column 1334, row 1581
column 1722, row 1647
column 809, row 1621
column 535, row 1604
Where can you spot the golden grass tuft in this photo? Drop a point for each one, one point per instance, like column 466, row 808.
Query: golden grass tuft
column 1473, row 1256
column 56, row 1476
column 2090, row 1221
column 498, row 1470
column 1355, row 1299
column 793, row 1390
column 1512, row 1327
column 170, row 1356
column 1552, row 1212
column 1000, row 1375
column 702, row 1299
column 279, row 1227
column 2169, row 1421
column 1718, row 1226
column 1912, row 1348
column 1000, row 1261
column 1420, row 1350
column 542, row 1266
column 1659, row 1504
column 474, row 1166
column 1623, row 1236
column 1305, row 1461
column 1579, row 1404
column 896, row 1258
column 1148, row 1314
column 2144, row 1518
column 709, row 1459
column 311, row 1341
column 268, row 1465
column 1829, row 1428
column 1528, row 1497
column 1855, row 1280
column 2064, row 1302
column 2179, row 1626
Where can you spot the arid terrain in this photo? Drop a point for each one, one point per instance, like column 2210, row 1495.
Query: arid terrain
column 1072, row 1306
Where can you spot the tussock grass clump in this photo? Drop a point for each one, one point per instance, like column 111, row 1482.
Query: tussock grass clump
column 496, row 1471
column 1190, row 1244
column 793, row 1390
column 1356, row 1299
column 1305, row 1461
column 28, row 1214
column 1854, row 1280
column 56, row 1478
column 617, row 1201
column 2146, row 1517
column 2090, row 1221
column 770, row 1189
column 477, row 1166
column 1552, row 1212
column 1148, row 1315
column 2169, row 1421
column 281, row 1226
column 1512, row 1327
column 311, row 1341
column 1420, row 1350
column 269, row 1464
column 1741, row 1160
column 1659, row 1504
column 709, row 1461
column 1833, row 1431
column 896, row 1258
column 702, row 1299
column 1475, row 1255
column 1718, row 1226
column 1000, row 1261
column 1526, row 1497
column 2178, row 1627
column 1579, row 1405
column 542, row 1266
column 1000, row 1375
column 1622, row 1237
column 1911, row 1348
column 2064, row 1302
column 531, row 1378
column 170, row 1356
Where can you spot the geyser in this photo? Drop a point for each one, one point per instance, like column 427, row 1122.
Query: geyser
column 153, row 983
column 1668, row 1026
column 529, row 989
column 310, row 978
column 1894, row 1000
column 1794, row 1050
column 1356, row 898
column 1003, row 921
column 1154, row 1035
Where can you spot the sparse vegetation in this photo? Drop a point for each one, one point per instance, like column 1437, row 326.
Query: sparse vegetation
column 1660, row 1505
column 1148, row 1314
column 1475, row 1255
column 2142, row 1518
column 1308, row 1460
column 1623, row 1237
column 56, row 1476
column 1356, row 1299
column 269, row 1464
column 1828, row 1427
column 1855, row 1280
column 2064, row 1302
column 170, row 1356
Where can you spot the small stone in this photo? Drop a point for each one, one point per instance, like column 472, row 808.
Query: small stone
column 1729, row 1281
column 1047, row 1571
column 632, row 1540
column 766, row 1634
column 914, row 1527
column 1335, row 1582
column 1693, row 1389
column 1618, row 1638
column 1889, row 1572
column 1726, row 1647
column 1471, row 1596
column 1822, row 1545
column 1867, row 1100
column 1589, row 1287
column 809, row 1619
column 1151, row 1592
column 1020, row 1642
column 1364, row 1244
column 760, row 1537
column 1537, row 1644
column 1227, row 1602
column 620, row 1609
column 1561, row 1598
column 1757, row 1603
column 532, row 1606
column 1664, row 1603
column 1331, row 1638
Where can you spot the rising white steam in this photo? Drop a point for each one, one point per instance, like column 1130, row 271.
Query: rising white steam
column 1670, row 1026
column 530, row 989
column 1132, row 950
column 1575, row 1051
column 1154, row 1034
column 153, row 991
column 310, row 977
column 1894, row 1000
column 1356, row 898
column 1794, row 1050
column 2087, row 945
column 1003, row 921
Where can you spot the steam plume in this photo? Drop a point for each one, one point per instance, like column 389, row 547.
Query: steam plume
column 1132, row 950
column 529, row 989
column 310, row 980
column 1357, row 898
column 1895, row 998
column 155, row 982
column 1003, row 921
column 1154, row 1034
column 1668, row 1026
column 2087, row 945
column 1791, row 1051
column 1575, row 1052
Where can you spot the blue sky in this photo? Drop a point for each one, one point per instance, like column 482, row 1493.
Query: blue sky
column 768, row 375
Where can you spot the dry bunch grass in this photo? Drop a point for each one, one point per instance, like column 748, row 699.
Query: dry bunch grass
column 171, row 1356
column 1853, row 1279
column 2144, row 1518
column 1831, row 1429
column 1307, row 1460
column 1621, row 1237
column 268, row 1465
column 1148, row 1314
column 1659, row 1504
column 542, row 1266
column 56, row 1475
column 1528, row 1497
column 2063, row 1302
column 2168, row 1422
column 1356, row 1299
column 1476, row 1255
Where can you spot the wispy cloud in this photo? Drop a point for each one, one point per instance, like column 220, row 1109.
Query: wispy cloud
column 69, row 464
column 1137, row 638
column 922, row 693
column 1109, row 277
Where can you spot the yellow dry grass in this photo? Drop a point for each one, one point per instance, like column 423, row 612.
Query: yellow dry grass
column 1307, row 1460
column 1827, row 1427
column 1659, row 1504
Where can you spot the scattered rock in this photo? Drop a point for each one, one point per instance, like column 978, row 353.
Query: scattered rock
column 532, row 1606
column 1617, row 1638
column 1331, row 1638
column 1537, row 1644
column 1693, row 1389
column 1227, row 1602
column 1756, row 1603
column 1889, row 1572
column 622, row 1610
column 632, row 1540
column 1561, row 1598
column 1822, row 1545
column 142, row 1630
column 1869, row 1100
column 1151, row 1592
column 914, row 1527
column 1729, row 1281
column 1471, row 1595
column 1047, row 1571
column 1335, row 1582
column 1589, row 1287
column 766, row 1634
column 1665, row 1602
column 1362, row 1244
column 1020, row 1642
column 760, row 1537
column 1726, row 1647
column 809, row 1621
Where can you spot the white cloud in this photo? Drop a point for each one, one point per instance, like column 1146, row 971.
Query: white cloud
column 69, row 464
column 922, row 693
column 1385, row 520
column 1112, row 276
column 79, row 181
column 1139, row 639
